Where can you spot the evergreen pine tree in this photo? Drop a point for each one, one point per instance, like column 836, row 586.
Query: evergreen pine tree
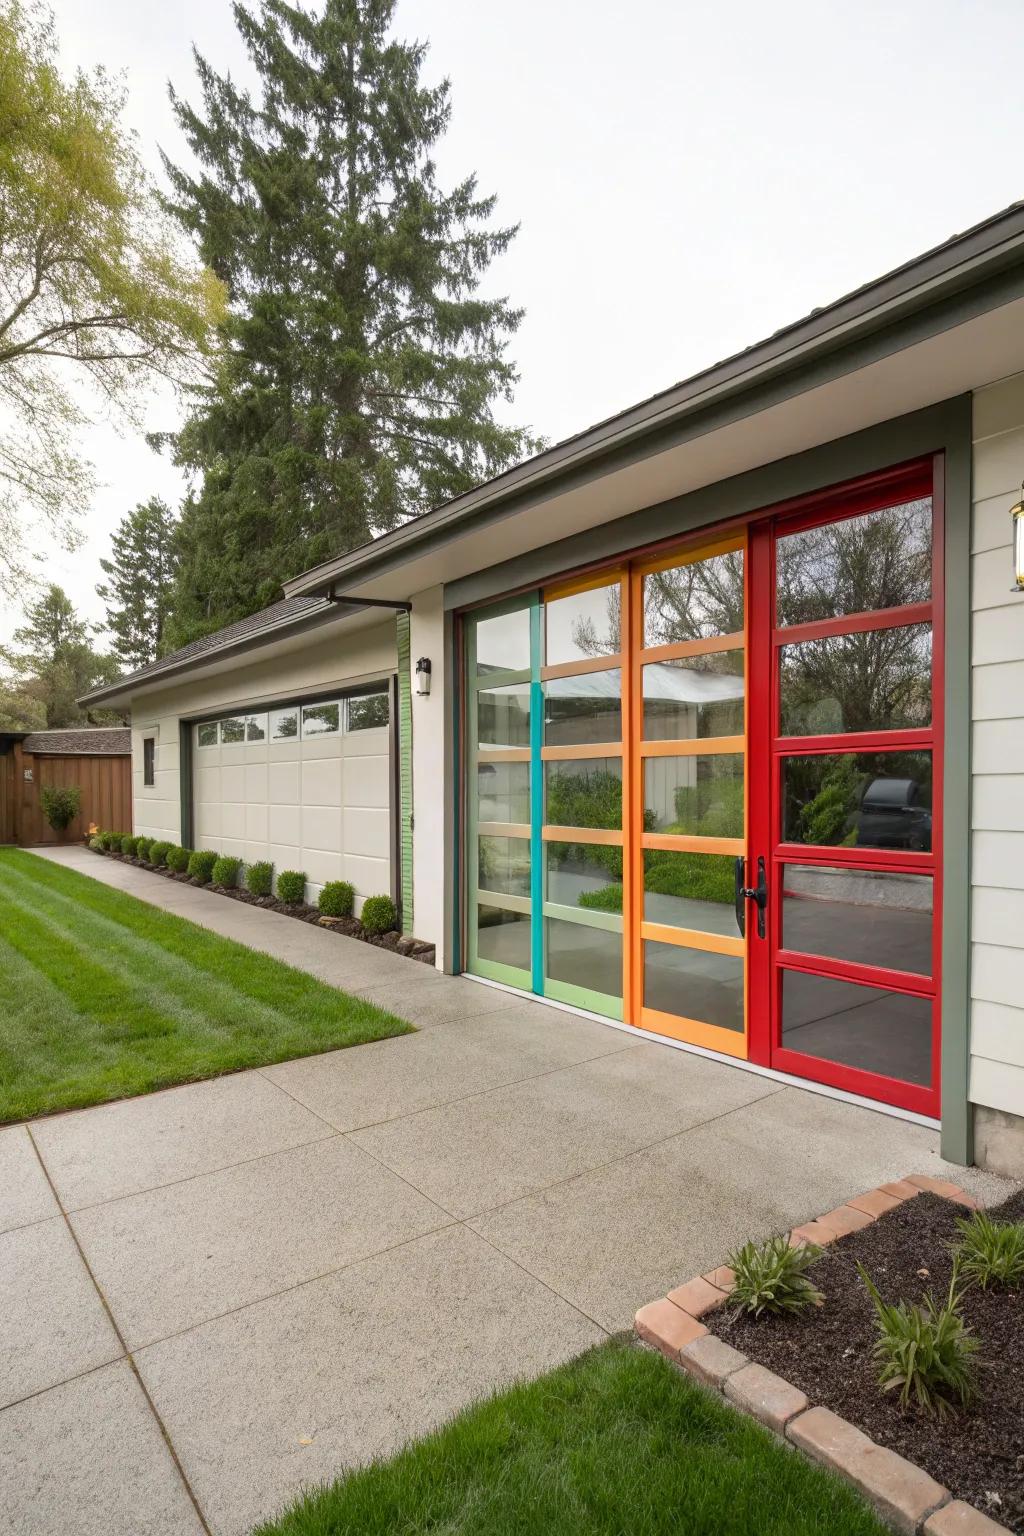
column 362, row 361
column 138, row 590
column 54, row 662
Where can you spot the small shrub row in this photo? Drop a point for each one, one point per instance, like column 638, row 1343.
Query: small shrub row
column 337, row 899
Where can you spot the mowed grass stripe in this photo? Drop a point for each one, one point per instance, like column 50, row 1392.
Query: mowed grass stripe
column 169, row 982
column 110, row 997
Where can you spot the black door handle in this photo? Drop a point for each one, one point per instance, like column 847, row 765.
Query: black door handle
column 745, row 893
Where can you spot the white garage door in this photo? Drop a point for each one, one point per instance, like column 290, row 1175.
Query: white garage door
column 306, row 786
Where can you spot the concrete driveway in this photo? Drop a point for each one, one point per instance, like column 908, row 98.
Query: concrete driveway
column 215, row 1296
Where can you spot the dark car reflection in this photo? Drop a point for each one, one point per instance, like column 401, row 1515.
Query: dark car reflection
column 894, row 813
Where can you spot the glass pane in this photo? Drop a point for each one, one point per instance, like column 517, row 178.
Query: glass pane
column 503, row 865
column 503, row 716
column 232, row 730
column 321, row 719
column 695, row 696
column 693, row 602
column 256, row 728
column 284, row 724
column 503, row 643
column 366, row 712
column 880, row 680
column 859, row 800
column 206, row 735
column 699, row 796
column 859, row 915
column 690, row 890
column 881, row 559
column 583, row 875
column 590, row 958
column 503, row 792
column 693, row 984
column 857, row 1026
column 584, row 792
column 503, row 937
column 584, row 625
column 583, row 709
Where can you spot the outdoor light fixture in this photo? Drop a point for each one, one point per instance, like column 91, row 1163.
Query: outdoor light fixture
column 1017, row 523
column 423, row 672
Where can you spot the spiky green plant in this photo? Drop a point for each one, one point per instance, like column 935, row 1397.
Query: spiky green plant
column 990, row 1252
column 925, row 1351
column 772, row 1277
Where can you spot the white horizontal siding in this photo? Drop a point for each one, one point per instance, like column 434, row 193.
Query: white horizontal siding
column 996, row 1076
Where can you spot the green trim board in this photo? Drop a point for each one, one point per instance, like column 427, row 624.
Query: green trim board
column 403, row 629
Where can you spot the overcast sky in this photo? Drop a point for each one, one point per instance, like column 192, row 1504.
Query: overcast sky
column 688, row 177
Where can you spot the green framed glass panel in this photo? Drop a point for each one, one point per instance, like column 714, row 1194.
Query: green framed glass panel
column 690, row 890
column 503, row 865
column 583, row 792
column 503, row 642
column 503, row 792
column 694, row 697
column 699, row 795
column 584, row 875
column 583, row 710
column 503, row 716
column 583, row 965
column 503, row 940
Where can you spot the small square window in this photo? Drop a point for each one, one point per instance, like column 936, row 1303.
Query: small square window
column 149, row 760
column 321, row 719
column 232, row 730
column 366, row 711
column 206, row 735
column 284, row 724
column 256, row 728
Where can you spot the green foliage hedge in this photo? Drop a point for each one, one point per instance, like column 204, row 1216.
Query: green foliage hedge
column 177, row 859
column 225, row 871
column 337, row 899
column 142, row 847
column 200, row 865
column 158, row 851
column 129, row 845
column 291, row 886
column 379, row 914
column 97, row 843
column 259, row 878
column 60, row 804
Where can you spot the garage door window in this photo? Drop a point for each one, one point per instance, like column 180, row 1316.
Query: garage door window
column 256, row 728
column 232, row 730
column 206, row 735
column 321, row 720
column 366, row 712
column 284, row 724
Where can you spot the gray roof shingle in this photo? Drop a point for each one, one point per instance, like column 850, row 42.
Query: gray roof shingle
column 81, row 741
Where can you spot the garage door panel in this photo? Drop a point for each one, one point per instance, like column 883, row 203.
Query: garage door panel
column 231, row 847
column 255, row 782
column 326, row 748
column 365, row 783
column 284, row 825
column 321, row 782
column 321, row 866
column 232, row 782
column 367, row 833
column 371, row 743
column 371, row 877
column 208, row 782
column 283, row 783
column 256, row 824
column 232, row 819
column 207, row 822
column 321, row 828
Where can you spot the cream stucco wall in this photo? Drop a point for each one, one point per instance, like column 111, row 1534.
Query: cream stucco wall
column 432, row 809
column 996, row 1080
column 312, row 663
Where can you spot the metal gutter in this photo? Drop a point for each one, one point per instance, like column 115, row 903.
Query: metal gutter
column 961, row 263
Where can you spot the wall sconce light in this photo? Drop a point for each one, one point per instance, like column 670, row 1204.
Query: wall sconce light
column 423, row 676
column 1017, row 523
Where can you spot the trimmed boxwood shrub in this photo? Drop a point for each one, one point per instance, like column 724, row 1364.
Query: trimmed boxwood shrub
column 259, row 878
column 142, row 847
column 337, row 899
column 177, row 859
column 97, row 843
column 225, row 871
column 200, row 865
column 60, row 804
column 128, row 845
column 291, row 886
column 379, row 914
column 111, row 841
column 158, row 852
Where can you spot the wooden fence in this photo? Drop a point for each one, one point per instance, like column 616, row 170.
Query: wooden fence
column 105, row 782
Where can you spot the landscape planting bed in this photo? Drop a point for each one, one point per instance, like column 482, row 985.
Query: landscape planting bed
column 978, row 1454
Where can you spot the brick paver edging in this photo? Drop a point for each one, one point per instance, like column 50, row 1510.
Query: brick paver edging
column 902, row 1493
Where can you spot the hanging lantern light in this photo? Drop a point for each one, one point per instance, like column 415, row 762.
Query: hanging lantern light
column 1017, row 523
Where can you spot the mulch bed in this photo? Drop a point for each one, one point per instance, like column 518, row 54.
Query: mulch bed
column 349, row 927
column 978, row 1454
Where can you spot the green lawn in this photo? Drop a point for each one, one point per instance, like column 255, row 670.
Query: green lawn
column 104, row 996
column 617, row 1443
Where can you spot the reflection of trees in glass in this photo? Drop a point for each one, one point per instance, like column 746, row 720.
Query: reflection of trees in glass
column 859, row 799
column 882, row 559
column 503, row 865
column 713, row 806
column 588, row 799
column 600, row 637
column 877, row 680
column 693, row 602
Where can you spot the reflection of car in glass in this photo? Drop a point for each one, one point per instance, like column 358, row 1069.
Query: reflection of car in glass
column 895, row 813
